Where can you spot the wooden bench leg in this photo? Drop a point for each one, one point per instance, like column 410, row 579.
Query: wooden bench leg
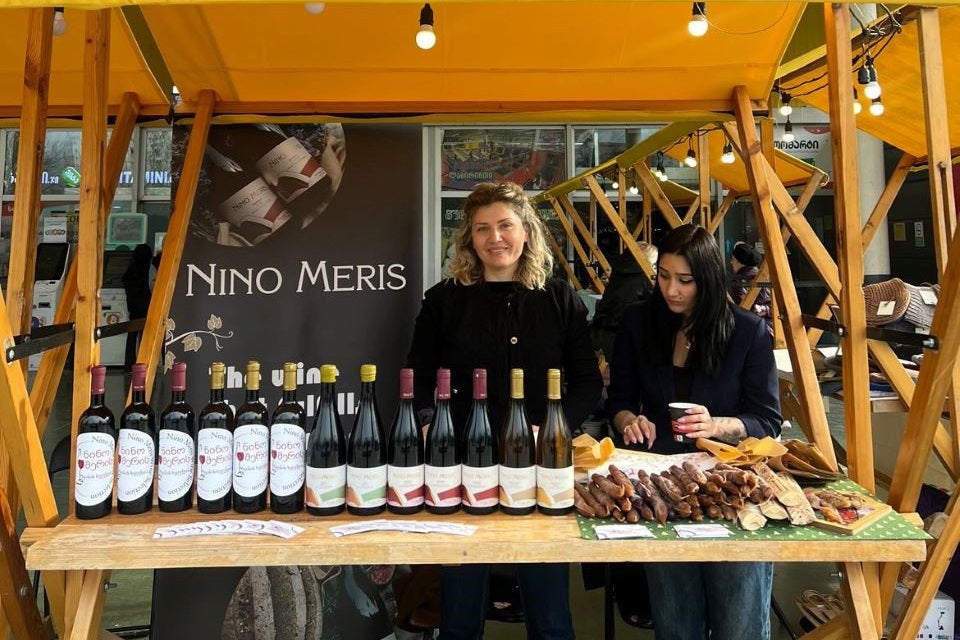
column 858, row 596
column 92, row 594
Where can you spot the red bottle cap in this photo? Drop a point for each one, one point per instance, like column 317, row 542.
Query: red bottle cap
column 98, row 377
column 406, row 384
column 479, row 384
column 179, row 376
column 139, row 376
column 443, row 384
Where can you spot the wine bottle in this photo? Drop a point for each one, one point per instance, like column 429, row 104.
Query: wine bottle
column 405, row 454
column 481, row 471
column 518, row 471
column 215, row 448
column 243, row 199
column 96, row 452
column 367, row 452
column 554, row 455
column 287, row 440
column 441, row 471
column 251, row 446
column 326, row 452
column 176, row 448
column 136, row 449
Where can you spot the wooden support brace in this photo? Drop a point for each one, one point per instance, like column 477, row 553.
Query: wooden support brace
column 16, row 593
column 562, row 260
column 617, row 223
column 577, row 247
column 857, row 596
column 652, row 185
column 717, row 217
column 92, row 596
column 585, row 234
column 703, row 202
column 784, row 289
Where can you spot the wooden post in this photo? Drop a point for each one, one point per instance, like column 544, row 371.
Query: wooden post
column 577, row 246
column 717, row 217
column 578, row 223
column 804, row 373
column 16, row 593
column 652, row 184
column 703, row 153
column 628, row 240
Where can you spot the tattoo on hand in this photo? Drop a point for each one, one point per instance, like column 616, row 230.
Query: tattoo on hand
column 729, row 430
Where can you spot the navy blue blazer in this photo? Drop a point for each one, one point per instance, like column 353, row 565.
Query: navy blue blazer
column 745, row 387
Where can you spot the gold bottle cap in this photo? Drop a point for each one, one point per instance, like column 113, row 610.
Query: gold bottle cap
column 553, row 384
column 289, row 376
column 253, row 375
column 368, row 372
column 328, row 373
column 217, row 370
column 516, row 383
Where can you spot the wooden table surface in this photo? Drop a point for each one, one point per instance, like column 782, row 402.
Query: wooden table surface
column 126, row 542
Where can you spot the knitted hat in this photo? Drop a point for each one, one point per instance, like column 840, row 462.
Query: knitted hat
column 891, row 291
column 746, row 255
column 919, row 313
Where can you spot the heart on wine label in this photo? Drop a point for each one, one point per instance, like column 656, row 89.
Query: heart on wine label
column 203, row 458
column 273, row 454
column 80, row 464
column 240, row 456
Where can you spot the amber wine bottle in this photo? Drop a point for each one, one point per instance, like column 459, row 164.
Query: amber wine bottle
column 251, row 448
column 287, row 440
column 518, row 471
column 367, row 452
column 554, row 455
column 96, row 452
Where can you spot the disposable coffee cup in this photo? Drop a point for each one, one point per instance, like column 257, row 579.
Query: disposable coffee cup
column 677, row 411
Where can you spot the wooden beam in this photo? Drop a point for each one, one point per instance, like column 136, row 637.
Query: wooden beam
column 857, row 596
column 578, row 223
column 16, row 592
column 153, row 330
column 936, row 118
column 652, row 185
column 577, row 247
column 96, row 56
column 621, row 228
column 811, row 402
column 692, row 211
column 92, row 596
column 26, row 205
column 562, row 260
column 717, row 217
column 622, row 199
column 703, row 155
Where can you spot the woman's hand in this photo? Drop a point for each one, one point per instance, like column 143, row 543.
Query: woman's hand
column 698, row 423
column 635, row 429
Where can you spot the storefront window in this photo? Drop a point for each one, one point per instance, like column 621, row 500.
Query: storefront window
column 593, row 146
column 156, row 163
column 533, row 158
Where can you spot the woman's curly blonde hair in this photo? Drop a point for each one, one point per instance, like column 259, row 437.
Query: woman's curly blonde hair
column 536, row 262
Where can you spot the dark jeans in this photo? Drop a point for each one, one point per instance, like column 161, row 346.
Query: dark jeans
column 545, row 589
column 728, row 600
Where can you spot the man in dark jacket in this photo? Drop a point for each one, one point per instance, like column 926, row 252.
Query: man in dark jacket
column 745, row 264
column 628, row 284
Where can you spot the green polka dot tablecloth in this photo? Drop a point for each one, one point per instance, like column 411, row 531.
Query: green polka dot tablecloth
column 891, row 526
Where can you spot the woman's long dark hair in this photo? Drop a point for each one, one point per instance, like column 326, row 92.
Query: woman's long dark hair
column 711, row 323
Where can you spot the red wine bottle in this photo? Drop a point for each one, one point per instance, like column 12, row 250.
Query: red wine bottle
column 518, row 471
column 243, row 199
column 441, row 471
column 96, row 452
column 367, row 452
column 136, row 449
column 481, row 469
column 251, row 448
column 215, row 449
column 405, row 454
column 327, row 452
column 176, row 448
column 554, row 455
column 287, row 439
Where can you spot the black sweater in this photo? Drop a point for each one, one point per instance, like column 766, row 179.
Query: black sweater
column 499, row 326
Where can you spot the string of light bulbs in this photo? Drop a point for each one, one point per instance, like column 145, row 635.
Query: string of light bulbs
column 699, row 24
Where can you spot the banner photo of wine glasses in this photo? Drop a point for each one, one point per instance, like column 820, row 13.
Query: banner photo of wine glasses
column 304, row 246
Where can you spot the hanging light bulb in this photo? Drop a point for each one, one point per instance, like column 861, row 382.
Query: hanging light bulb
column 315, row 7
column 785, row 107
column 788, row 132
column 868, row 72
column 59, row 22
column 426, row 37
column 634, row 189
column 876, row 107
column 698, row 24
column 857, row 107
column 728, row 157
column 615, row 184
column 663, row 176
column 691, row 159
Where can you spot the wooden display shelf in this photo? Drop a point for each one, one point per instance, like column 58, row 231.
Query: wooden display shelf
column 126, row 542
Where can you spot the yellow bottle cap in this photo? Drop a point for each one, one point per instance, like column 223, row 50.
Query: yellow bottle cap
column 368, row 372
column 328, row 373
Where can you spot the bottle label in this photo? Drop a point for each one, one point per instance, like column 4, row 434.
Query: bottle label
column 442, row 485
column 175, row 459
column 251, row 444
column 214, row 463
column 93, row 482
column 290, row 169
column 326, row 487
column 254, row 203
column 286, row 458
column 405, row 486
column 366, row 487
column 555, row 487
column 518, row 487
column 481, row 486
column 135, row 458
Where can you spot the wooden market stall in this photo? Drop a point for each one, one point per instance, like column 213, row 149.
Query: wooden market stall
column 120, row 62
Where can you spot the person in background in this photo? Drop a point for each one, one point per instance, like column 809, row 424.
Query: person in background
column 628, row 284
column 501, row 310
column 688, row 343
column 745, row 264
column 136, row 284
